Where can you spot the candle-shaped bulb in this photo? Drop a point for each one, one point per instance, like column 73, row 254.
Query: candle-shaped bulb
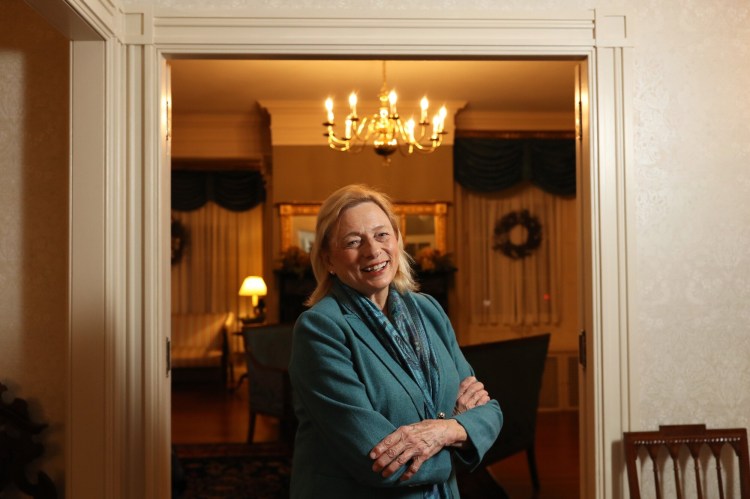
column 329, row 108
column 410, row 130
column 443, row 113
column 424, row 104
column 348, row 132
column 392, row 98
column 353, row 104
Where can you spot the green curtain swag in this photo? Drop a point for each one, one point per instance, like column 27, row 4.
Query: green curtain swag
column 233, row 190
column 493, row 164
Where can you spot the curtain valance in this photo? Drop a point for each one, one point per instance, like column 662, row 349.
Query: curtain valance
column 494, row 164
column 233, row 190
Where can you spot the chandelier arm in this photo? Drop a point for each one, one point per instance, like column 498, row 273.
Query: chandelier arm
column 423, row 128
column 333, row 139
column 362, row 131
column 427, row 147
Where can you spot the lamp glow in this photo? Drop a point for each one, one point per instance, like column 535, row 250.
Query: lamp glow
column 253, row 286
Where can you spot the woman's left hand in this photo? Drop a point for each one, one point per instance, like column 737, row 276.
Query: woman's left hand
column 471, row 394
column 415, row 443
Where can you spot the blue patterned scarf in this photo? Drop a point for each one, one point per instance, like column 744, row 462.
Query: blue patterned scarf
column 405, row 339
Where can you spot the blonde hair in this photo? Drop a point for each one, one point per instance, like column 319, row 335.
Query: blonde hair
column 328, row 216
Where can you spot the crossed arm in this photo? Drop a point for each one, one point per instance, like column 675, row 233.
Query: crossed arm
column 413, row 444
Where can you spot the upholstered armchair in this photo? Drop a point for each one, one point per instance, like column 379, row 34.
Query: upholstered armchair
column 267, row 352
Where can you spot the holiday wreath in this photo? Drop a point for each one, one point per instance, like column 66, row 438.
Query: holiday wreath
column 178, row 240
column 507, row 223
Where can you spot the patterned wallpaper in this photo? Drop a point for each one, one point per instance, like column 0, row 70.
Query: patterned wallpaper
column 34, row 220
column 690, row 268
column 691, row 283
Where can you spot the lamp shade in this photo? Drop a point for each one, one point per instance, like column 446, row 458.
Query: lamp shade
column 253, row 286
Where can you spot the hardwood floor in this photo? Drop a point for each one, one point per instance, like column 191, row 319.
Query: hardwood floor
column 557, row 460
column 206, row 413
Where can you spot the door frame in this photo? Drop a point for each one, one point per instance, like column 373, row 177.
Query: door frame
column 605, row 134
column 128, row 295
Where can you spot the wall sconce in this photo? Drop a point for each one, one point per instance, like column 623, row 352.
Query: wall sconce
column 254, row 287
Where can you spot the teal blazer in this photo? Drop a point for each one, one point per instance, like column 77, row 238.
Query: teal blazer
column 349, row 393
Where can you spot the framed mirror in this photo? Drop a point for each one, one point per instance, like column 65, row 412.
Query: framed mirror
column 422, row 224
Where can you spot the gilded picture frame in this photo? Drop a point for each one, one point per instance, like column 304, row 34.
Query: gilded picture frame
column 427, row 222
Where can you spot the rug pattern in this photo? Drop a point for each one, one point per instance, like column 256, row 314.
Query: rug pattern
column 219, row 471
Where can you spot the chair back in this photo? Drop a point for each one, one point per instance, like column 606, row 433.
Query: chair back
column 270, row 346
column 511, row 371
column 681, row 444
column 267, row 354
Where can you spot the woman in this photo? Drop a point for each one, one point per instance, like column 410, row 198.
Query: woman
column 385, row 401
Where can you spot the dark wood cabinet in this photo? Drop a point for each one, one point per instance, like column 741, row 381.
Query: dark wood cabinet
column 294, row 289
column 436, row 284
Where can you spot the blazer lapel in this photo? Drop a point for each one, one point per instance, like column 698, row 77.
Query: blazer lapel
column 368, row 338
column 442, row 358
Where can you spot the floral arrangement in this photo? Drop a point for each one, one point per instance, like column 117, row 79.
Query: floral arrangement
column 295, row 260
column 429, row 259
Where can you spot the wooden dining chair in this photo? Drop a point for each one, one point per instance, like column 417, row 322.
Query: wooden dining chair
column 670, row 441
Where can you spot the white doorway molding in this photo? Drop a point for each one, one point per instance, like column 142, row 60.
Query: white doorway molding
column 133, row 399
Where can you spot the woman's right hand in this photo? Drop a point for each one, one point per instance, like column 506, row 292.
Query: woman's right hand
column 471, row 394
column 411, row 445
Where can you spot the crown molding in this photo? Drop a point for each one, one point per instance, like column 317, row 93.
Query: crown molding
column 542, row 121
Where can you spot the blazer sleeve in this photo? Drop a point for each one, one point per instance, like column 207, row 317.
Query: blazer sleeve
column 483, row 423
column 335, row 399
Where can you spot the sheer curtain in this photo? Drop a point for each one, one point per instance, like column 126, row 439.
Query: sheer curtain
column 502, row 290
column 222, row 248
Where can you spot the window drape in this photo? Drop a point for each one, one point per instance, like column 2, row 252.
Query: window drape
column 496, row 175
column 501, row 290
column 222, row 248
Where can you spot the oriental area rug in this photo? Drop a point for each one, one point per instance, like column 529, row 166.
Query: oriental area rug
column 262, row 471
column 220, row 471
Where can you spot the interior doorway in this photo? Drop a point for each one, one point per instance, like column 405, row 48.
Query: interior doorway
column 565, row 353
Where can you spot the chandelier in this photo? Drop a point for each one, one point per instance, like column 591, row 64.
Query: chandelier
column 385, row 128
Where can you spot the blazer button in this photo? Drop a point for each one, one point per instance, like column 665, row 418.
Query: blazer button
column 441, row 415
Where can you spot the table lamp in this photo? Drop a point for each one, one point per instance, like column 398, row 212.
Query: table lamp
column 254, row 287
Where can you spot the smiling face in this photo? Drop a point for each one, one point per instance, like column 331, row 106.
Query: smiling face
column 363, row 251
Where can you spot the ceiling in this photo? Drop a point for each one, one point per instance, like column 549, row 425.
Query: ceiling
column 220, row 86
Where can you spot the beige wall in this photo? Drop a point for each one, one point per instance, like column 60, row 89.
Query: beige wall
column 690, row 282
column 34, row 222
column 308, row 174
column 217, row 136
